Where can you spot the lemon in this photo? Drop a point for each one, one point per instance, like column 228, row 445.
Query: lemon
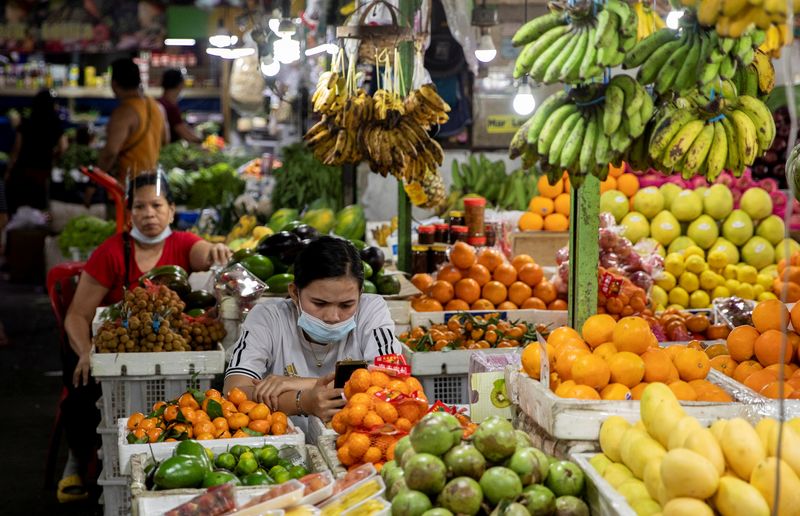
column 694, row 250
column 767, row 295
column 745, row 291
column 729, row 272
column 764, row 280
column 666, row 281
column 695, row 264
column 689, row 281
column 732, row 285
column 659, row 294
column 679, row 296
column 720, row 292
column 758, row 290
column 708, row 280
column 699, row 299
column 747, row 274
column 673, row 264
column 770, row 270
column 717, row 260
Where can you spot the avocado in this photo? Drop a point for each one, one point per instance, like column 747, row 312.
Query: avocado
column 179, row 472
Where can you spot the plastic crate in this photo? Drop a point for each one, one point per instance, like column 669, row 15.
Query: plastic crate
column 451, row 389
column 161, row 363
column 109, row 452
column 124, row 395
column 116, row 495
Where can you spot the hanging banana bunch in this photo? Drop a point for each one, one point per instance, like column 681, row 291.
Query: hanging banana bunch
column 756, row 79
column 648, row 21
column 778, row 36
column 732, row 18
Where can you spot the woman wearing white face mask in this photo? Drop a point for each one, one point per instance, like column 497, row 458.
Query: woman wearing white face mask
column 287, row 352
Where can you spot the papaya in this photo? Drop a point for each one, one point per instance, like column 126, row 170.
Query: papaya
column 321, row 219
column 351, row 222
column 282, row 217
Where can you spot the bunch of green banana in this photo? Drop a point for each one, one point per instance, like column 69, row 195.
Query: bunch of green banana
column 756, row 79
column 516, row 191
column 698, row 138
column 677, row 60
column 616, row 33
column 479, row 176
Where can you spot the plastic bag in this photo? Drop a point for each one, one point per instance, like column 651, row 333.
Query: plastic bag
column 247, row 84
column 235, row 281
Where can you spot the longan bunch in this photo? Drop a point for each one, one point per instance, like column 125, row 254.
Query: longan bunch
column 203, row 333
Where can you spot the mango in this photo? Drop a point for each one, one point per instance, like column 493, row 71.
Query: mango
column 718, row 429
column 615, row 474
column 764, row 428
column 637, row 449
column 790, row 447
column 600, row 462
column 681, row 431
column 702, row 441
column 735, row 497
column 686, row 507
column 610, row 435
column 795, row 424
column 633, row 489
column 645, row 507
column 640, row 426
column 742, row 447
column 660, row 411
column 763, row 479
column 652, row 478
column 687, row 473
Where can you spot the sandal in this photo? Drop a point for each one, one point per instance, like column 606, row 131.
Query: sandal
column 70, row 489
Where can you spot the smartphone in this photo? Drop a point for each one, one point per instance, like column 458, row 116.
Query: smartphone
column 344, row 369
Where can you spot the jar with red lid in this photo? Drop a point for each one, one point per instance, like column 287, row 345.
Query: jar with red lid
column 474, row 208
column 458, row 234
column 441, row 234
column 425, row 235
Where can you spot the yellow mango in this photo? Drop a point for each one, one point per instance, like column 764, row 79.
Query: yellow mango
column 790, row 447
column 742, row 447
column 686, row 473
column 735, row 497
column 652, row 478
column 686, row 507
column 637, row 449
column 764, row 428
column 615, row 474
column 600, row 462
column 681, row 431
column 645, row 507
column 701, row 440
column 763, row 479
column 718, row 429
column 795, row 424
column 640, row 426
column 660, row 411
column 633, row 489
column 610, row 436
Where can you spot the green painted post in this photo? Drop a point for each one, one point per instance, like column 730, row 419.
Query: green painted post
column 583, row 251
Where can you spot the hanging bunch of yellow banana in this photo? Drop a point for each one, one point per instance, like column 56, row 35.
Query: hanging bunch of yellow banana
column 648, row 21
column 732, row 18
column 778, row 36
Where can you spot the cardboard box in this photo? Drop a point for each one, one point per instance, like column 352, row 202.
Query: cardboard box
column 540, row 245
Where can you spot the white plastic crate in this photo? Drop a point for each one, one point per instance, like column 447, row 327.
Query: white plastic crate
column 125, row 451
column 116, row 495
column 110, row 450
column 451, row 389
column 162, row 363
column 124, row 395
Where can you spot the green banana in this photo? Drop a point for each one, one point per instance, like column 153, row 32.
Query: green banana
column 519, row 140
column 542, row 63
column 667, row 75
column 718, row 154
column 554, row 122
column 634, row 124
column 589, row 57
column 762, row 119
column 607, row 25
column 709, row 72
column 647, row 108
column 532, row 51
column 612, row 114
column 757, row 37
column 680, row 144
column 634, row 93
column 538, row 26
column 571, row 69
column 645, row 48
column 541, row 115
column 728, row 67
column 602, row 154
column 745, row 137
column 607, row 54
column 571, row 151
column 685, row 77
column 726, row 44
column 650, row 69
column 627, row 16
column 554, row 70
column 456, row 178
column 562, row 135
column 620, row 140
column 743, row 45
column 747, row 57
column 697, row 153
column 666, row 129
column 734, row 158
column 586, row 160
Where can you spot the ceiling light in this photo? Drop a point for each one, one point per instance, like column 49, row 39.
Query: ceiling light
column 274, row 25
column 673, row 18
column 485, row 50
column 330, row 48
column 179, row 42
column 231, row 53
column 269, row 66
column 222, row 38
column 524, row 103
column 286, row 50
column 286, row 27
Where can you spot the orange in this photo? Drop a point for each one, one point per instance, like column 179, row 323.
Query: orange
column 788, row 369
column 795, row 316
column 260, row 411
column 531, row 274
column 716, row 350
column 562, row 335
column 462, row 255
column 636, row 391
column 683, row 391
column 545, row 291
column 609, row 184
column 153, row 434
column 426, row 304
column 442, row 291
column 561, row 204
column 605, row 350
column 280, row 417
column 490, row 258
column 413, row 384
column 397, row 386
column 614, row 171
column 479, row 273
column 507, row 305
column 386, row 411
column 188, row 414
column 759, row 379
column 236, row 396
column 246, row 406
column 422, row 281
column 770, row 314
column 532, row 358
column 379, row 378
column 356, row 413
column 372, row 420
column 768, row 348
column 372, row 455
column 213, row 393
column 203, row 427
column 724, row 364
column 278, row 428
column 519, row 292
column 237, row 421
column 541, row 206
column 745, row 369
column 134, row 420
column 547, row 190
column 360, row 380
column 656, row 365
column 566, row 358
column 584, row 392
column 556, row 222
column 557, row 304
column 361, row 398
column 505, row 273
column 495, row 292
column 520, row 260
column 157, row 405
column 343, row 454
column 220, row 425
column 448, row 273
column 740, row 342
column 358, row 444
column 616, row 391
column 772, row 390
column 632, row 334
column 564, row 390
column 482, row 304
column 468, row 290
column 626, row 368
column 530, row 221
column 187, row 400
column 692, row 364
column 591, row 370
column 598, row 329
column 409, row 412
column 456, row 305
column 628, row 184
column 534, row 303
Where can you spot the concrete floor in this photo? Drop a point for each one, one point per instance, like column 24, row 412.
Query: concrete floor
column 30, row 383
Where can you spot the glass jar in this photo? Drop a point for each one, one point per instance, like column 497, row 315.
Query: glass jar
column 441, row 234
column 438, row 257
column 456, row 218
column 425, row 235
column 491, row 234
column 419, row 259
column 474, row 209
column 458, row 234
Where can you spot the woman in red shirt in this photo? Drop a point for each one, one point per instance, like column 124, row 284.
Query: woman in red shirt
column 150, row 243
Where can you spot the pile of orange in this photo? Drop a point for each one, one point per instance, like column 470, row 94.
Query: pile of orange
column 464, row 331
column 615, row 360
column 626, row 183
column 752, row 354
column 215, row 417
column 788, row 281
column 485, row 280
column 550, row 209
column 369, row 426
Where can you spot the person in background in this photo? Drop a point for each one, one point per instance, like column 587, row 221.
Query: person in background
column 40, row 139
column 172, row 82
column 137, row 128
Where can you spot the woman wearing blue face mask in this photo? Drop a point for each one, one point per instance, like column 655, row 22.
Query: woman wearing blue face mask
column 287, row 352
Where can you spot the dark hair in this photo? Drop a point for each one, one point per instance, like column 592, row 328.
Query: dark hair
column 43, row 109
column 172, row 78
column 149, row 180
column 126, row 74
column 327, row 257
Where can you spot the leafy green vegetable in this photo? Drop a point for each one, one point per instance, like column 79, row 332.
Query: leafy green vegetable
column 85, row 232
column 191, row 157
column 303, row 180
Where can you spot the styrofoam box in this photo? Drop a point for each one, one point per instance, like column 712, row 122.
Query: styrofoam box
column 116, row 495
column 316, row 429
column 158, row 363
column 601, row 497
column 110, row 451
column 122, row 396
column 757, row 405
column 294, row 437
column 573, row 419
column 327, row 448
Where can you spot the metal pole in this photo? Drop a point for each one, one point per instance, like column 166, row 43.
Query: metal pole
column 583, row 251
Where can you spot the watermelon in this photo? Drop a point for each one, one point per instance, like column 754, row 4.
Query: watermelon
column 321, row 219
column 351, row 223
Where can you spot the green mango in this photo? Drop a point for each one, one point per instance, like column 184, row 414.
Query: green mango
column 179, row 472
column 192, row 448
column 279, row 283
column 219, row 477
column 260, row 266
column 367, row 270
column 388, row 285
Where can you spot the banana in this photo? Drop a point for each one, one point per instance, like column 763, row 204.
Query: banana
column 634, row 124
column 538, row 26
column 602, row 154
column 533, row 50
column 561, row 137
column 708, row 11
column 666, row 129
column 612, row 114
column 542, row 114
column 650, row 69
column 718, row 154
column 607, row 25
column 542, row 63
column 645, row 48
column 732, row 7
column 728, row 67
column 647, row 107
column 571, row 151
column 745, row 137
column 586, row 160
column 571, row 70
column 627, row 16
column 608, row 54
column 762, row 120
column 688, row 70
column 589, row 57
column 697, row 153
column 735, row 158
column 632, row 90
column 708, row 73
column 667, row 74
column 520, row 140
column 680, row 144
column 766, row 72
column 554, row 122
column 620, row 140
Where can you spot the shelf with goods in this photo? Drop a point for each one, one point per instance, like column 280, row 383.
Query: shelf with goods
column 83, row 92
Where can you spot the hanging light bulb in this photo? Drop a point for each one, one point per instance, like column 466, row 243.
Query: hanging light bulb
column 485, row 51
column 524, row 103
column 286, row 50
column 673, row 18
column 270, row 66
column 222, row 38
